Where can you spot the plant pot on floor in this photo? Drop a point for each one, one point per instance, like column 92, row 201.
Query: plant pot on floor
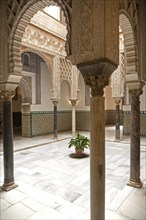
column 79, row 142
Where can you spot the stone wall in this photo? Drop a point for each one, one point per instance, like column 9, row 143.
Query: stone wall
column 126, row 123
column 83, row 119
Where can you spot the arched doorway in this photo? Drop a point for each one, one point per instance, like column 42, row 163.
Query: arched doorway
column 16, row 107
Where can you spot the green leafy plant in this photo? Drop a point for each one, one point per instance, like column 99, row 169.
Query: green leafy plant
column 79, row 142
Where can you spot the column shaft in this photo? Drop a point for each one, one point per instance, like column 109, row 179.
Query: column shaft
column 55, row 122
column 117, row 133
column 135, row 140
column 97, row 158
column 8, row 146
column 73, row 121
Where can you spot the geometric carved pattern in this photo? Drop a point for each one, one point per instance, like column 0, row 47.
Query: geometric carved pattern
column 13, row 9
column 47, row 42
column 65, row 70
column 122, row 73
column 17, row 25
column 26, row 85
column 86, row 25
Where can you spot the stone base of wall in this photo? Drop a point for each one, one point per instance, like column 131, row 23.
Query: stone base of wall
column 40, row 123
column 126, row 123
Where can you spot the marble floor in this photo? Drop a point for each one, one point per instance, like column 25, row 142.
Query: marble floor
column 52, row 185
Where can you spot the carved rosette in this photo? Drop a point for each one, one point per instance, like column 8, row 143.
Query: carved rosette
column 97, row 84
column 6, row 96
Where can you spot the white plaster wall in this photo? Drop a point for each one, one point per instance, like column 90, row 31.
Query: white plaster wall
column 143, row 100
column 46, row 103
column 64, row 103
column 109, row 103
column 81, row 102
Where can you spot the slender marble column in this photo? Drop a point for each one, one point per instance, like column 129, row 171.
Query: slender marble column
column 55, row 102
column 7, row 124
column 117, row 127
column 73, row 102
column 97, row 151
column 135, row 139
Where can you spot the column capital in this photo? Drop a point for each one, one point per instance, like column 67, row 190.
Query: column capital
column 117, row 100
column 135, row 92
column 73, row 101
column 97, row 84
column 6, row 95
column 55, row 101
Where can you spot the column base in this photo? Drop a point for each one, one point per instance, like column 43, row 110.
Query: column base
column 135, row 184
column 117, row 140
column 8, row 186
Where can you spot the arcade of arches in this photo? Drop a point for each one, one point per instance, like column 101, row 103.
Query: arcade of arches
column 77, row 61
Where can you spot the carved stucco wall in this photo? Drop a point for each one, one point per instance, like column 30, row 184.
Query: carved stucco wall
column 19, row 15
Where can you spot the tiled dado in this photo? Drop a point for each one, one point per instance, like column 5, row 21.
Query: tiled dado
column 40, row 122
column 83, row 119
column 126, row 122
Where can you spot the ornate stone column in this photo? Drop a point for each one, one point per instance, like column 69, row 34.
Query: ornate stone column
column 55, row 102
column 7, row 132
column 117, row 126
column 73, row 102
column 94, row 49
column 135, row 139
column 97, row 138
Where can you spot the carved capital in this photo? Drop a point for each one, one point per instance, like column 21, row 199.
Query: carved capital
column 135, row 93
column 6, row 95
column 97, row 84
column 55, row 102
column 73, row 102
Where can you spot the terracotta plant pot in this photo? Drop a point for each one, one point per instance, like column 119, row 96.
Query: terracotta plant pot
column 79, row 152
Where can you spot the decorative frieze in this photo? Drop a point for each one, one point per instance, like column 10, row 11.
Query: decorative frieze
column 36, row 37
column 49, row 24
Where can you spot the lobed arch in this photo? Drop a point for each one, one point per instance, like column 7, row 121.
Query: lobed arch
column 130, row 49
column 47, row 58
column 22, row 20
column 68, row 87
column 128, row 21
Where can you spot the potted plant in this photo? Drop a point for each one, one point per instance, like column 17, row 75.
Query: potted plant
column 80, row 142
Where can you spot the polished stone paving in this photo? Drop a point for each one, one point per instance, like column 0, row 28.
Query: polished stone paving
column 52, row 185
